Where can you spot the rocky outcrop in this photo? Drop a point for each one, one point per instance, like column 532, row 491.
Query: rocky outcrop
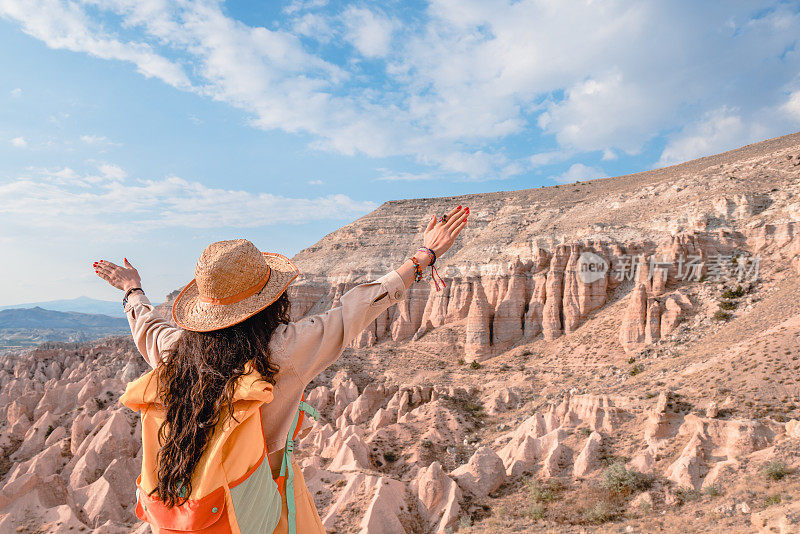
column 589, row 458
column 482, row 474
column 384, row 502
column 439, row 497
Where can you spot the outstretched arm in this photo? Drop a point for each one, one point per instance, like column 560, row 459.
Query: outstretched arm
column 154, row 336
column 439, row 237
column 316, row 341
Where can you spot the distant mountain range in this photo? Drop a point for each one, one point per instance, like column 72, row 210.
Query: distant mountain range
column 80, row 305
column 27, row 327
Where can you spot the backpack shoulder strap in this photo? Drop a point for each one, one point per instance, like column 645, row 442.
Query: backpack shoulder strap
column 286, row 478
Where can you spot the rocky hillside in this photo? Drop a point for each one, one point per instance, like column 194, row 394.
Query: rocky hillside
column 611, row 355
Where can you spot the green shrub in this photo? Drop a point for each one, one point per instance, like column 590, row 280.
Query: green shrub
column 599, row 513
column 619, row 479
column 390, row 456
column 733, row 293
column 713, row 491
column 543, row 493
column 727, row 305
column 776, row 470
column 721, row 315
column 49, row 431
column 635, row 370
column 474, row 365
column 769, row 500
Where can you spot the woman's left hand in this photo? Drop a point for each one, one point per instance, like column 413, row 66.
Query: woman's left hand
column 123, row 278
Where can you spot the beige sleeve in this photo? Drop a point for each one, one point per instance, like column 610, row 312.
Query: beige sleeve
column 316, row 341
column 154, row 336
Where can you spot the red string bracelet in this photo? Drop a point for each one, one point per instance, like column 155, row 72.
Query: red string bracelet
column 417, row 269
column 434, row 270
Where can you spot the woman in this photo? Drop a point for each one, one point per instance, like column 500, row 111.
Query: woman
column 226, row 384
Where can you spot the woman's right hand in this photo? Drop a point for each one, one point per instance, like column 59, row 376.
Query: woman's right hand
column 439, row 236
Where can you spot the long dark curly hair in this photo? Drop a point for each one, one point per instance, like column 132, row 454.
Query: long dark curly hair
column 196, row 385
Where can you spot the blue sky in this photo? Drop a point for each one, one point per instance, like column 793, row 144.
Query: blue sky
column 149, row 128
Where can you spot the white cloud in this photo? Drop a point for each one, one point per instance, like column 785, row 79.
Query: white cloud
column 315, row 182
column 62, row 25
column 112, row 172
column 80, row 202
column 302, row 5
column 455, row 80
column 609, row 155
column 369, row 32
column 792, row 105
column 406, row 176
column 549, row 157
column 579, row 172
column 315, row 26
column 602, row 112
column 19, row 142
column 720, row 130
column 16, row 93
column 94, row 139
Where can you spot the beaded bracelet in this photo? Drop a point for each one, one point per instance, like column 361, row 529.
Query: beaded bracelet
column 417, row 269
column 434, row 270
column 431, row 254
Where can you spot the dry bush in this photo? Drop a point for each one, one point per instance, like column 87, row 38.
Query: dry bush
column 588, row 504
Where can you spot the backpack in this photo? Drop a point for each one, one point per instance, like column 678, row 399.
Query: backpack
column 232, row 486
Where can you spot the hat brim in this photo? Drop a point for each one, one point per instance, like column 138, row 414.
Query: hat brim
column 189, row 312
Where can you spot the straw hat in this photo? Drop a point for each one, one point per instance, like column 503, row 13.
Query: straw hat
column 233, row 281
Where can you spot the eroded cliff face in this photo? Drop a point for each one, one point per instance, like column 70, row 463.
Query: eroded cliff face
column 500, row 305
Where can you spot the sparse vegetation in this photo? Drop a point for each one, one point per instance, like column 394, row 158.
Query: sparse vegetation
column 769, row 500
column 601, row 512
column 684, row 495
column 48, row 431
column 536, row 511
column 733, row 293
column 635, row 370
column 722, row 315
column 713, row 491
column 390, row 456
column 619, row 479
column 727, row 305
column 544, row 492
column 776, row 470
column 474, row 365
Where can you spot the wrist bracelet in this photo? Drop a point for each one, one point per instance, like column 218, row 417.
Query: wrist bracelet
column 417, row 269
column 431, row 254
column 434, row 270
column 128, row 294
